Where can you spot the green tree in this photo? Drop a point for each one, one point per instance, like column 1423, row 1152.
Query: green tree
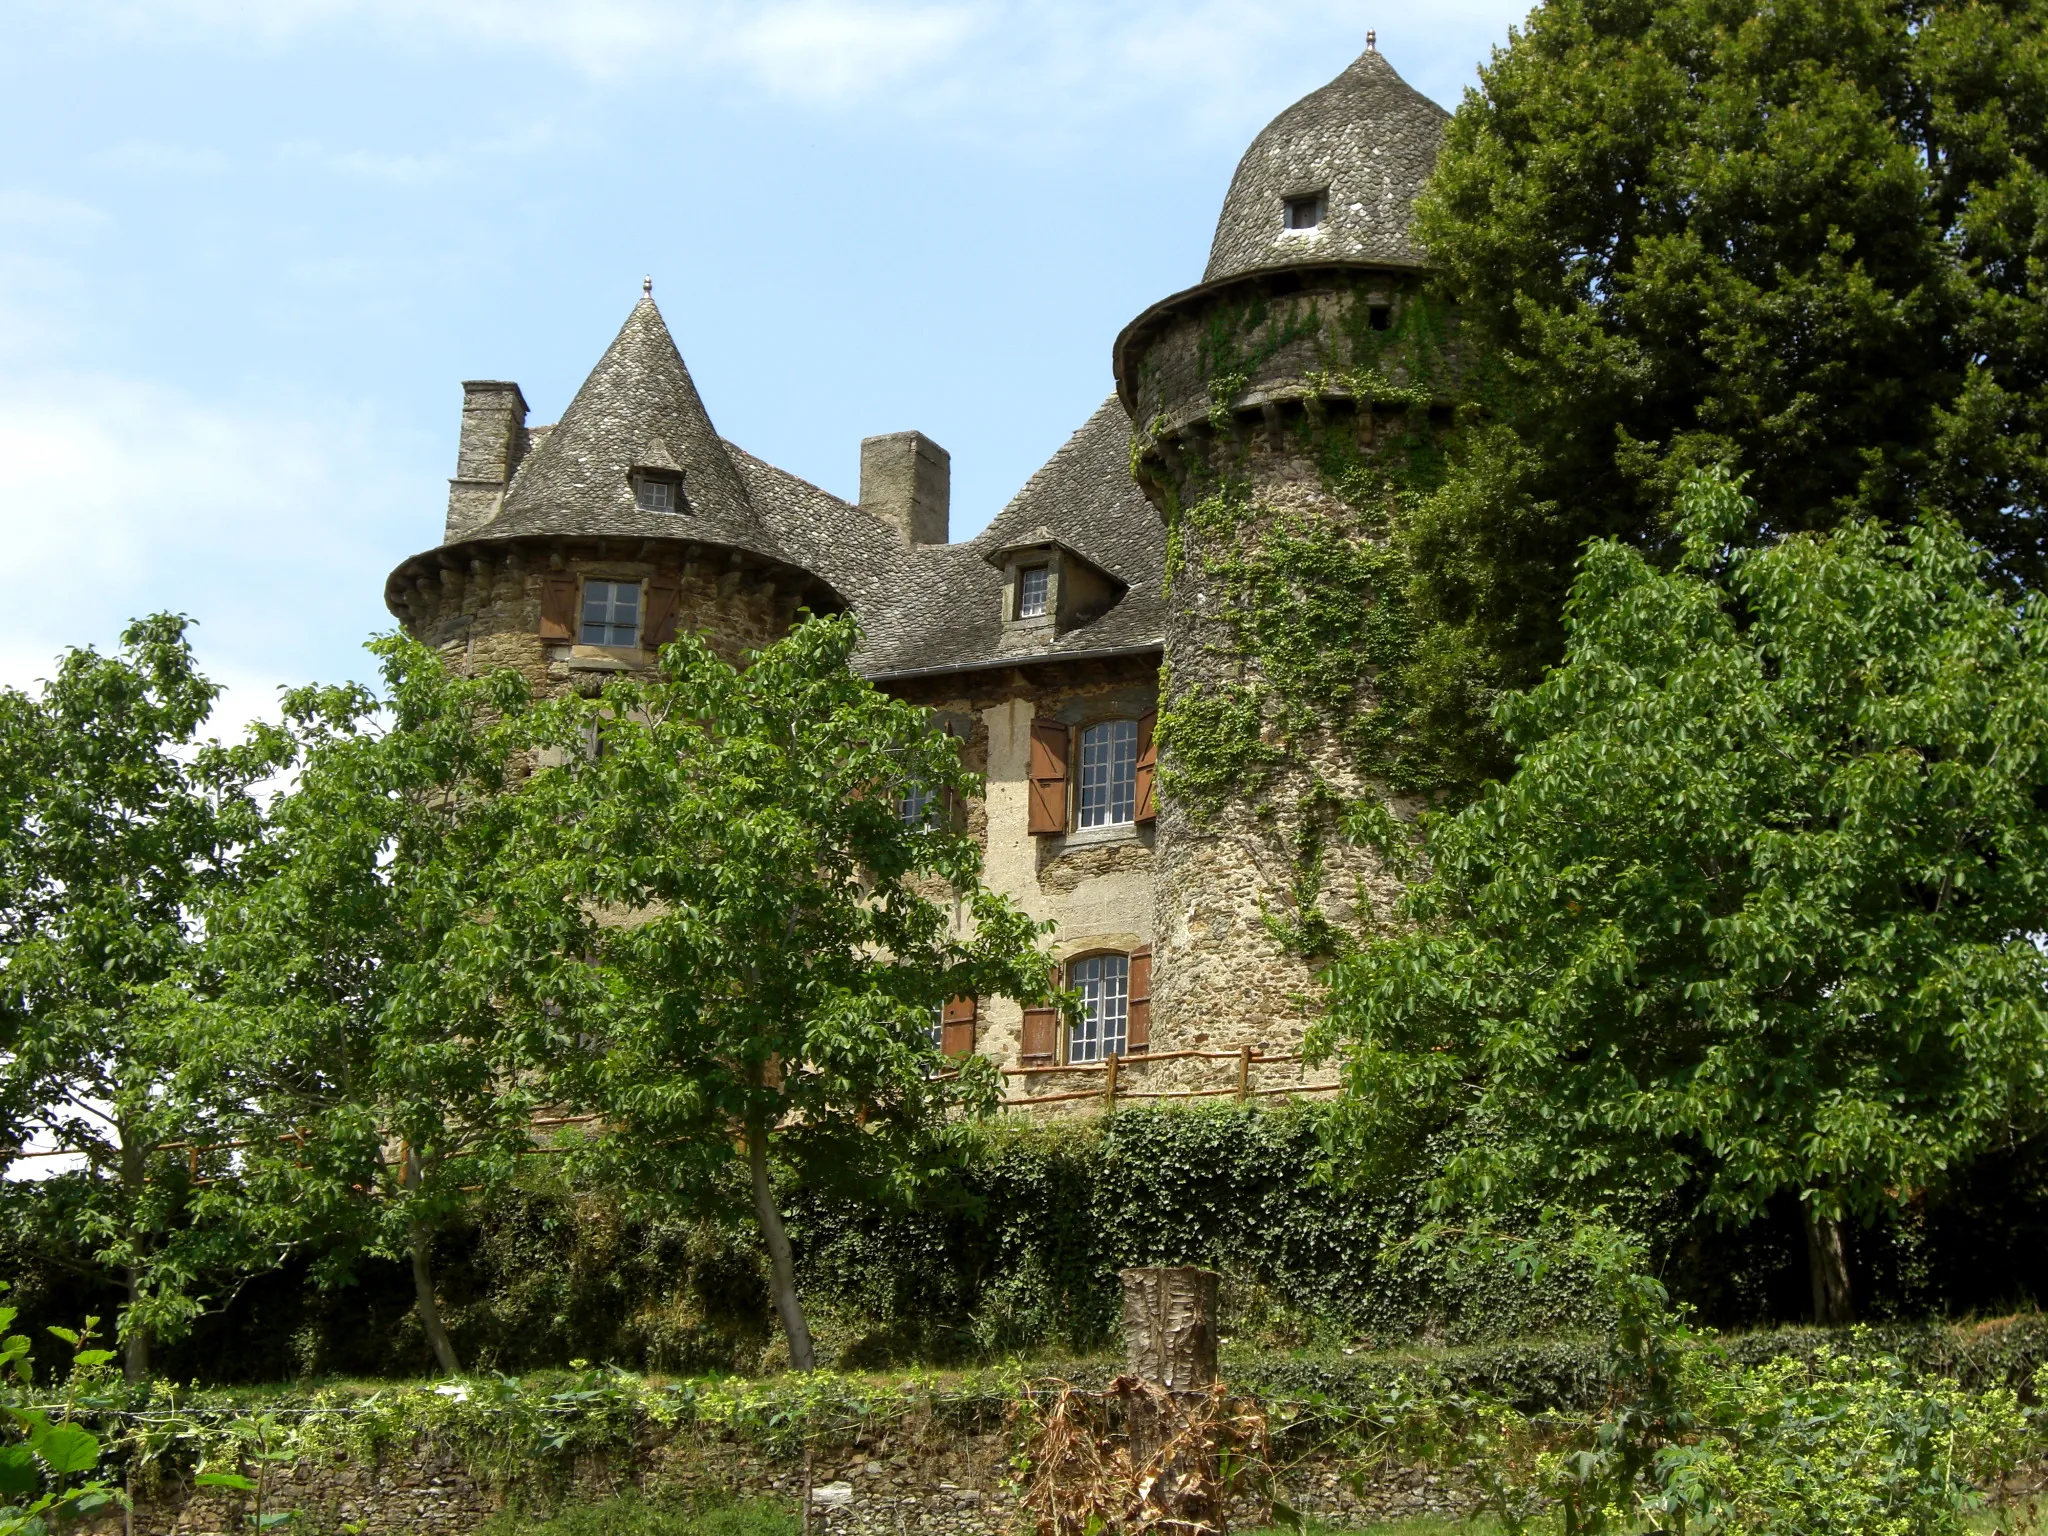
column 379, row 1083
column 1806, row 238
column 1760, row 909
column 752, row 936
column 116, row 822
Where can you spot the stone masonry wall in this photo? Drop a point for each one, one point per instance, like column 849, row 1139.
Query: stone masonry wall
column 482, row 610
column 888, row 1483
column 1254, row 409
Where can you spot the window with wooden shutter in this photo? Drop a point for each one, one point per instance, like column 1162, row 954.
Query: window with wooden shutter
column 1050, row 742
column 664, row 608
column 1041, row 1035
column 956, row 1026
column 1148, row 771
column 558, row 608
column 1138, row 1029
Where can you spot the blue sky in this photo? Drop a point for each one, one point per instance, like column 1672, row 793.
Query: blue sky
column 250, row 248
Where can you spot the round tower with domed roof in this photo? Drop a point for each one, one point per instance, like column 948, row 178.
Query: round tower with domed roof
column 1282, row 409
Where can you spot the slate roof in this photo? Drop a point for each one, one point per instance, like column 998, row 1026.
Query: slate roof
column 947, row 610
column 639, row 409
column 1371, row 139
column 936, row 607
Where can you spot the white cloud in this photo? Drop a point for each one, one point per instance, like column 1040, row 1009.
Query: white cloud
column 270, row 525
column 46, row 215
column 1052, row 61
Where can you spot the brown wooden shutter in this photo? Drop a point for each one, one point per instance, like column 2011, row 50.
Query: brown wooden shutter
column 1138, row 1027
column 1148, row 770
column 664, row 607
column 956, row 1026
column 1041, row 1035
column 558, row 608
column 1050, row 742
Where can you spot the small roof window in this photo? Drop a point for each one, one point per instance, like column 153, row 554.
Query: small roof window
column 1034, row 585
column 1305, row 211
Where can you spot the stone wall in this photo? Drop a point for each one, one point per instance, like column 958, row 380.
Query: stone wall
column 480, row 605
column 887, row 1483
column 1096, row 888
column 1257, row 402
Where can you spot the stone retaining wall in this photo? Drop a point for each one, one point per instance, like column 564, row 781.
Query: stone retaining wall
column 905, row 1483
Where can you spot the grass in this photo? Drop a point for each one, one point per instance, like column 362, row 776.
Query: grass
column 631, row 1515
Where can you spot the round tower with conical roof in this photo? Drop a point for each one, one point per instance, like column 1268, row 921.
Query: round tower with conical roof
column 1282, row 409
column 574, row 551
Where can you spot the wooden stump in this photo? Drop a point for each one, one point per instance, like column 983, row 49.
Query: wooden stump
column 1170, row 1327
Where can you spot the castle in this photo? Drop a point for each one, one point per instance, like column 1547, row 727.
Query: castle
column 1154, row 564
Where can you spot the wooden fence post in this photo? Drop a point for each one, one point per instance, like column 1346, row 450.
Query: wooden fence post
column 1244, row 1073
column 1109, row 1084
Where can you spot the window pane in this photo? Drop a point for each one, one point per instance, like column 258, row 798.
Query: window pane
column 654, row 495
column 611, row 613
column 1104, row 982
column 914, row 805
column 1032, row 585
column 1109, row 773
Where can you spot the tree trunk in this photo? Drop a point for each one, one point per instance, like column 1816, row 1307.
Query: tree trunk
column 135, row 1346
column 1827, row 1262
column 430, row 1310
column 421, row 1242
column 781, row 1265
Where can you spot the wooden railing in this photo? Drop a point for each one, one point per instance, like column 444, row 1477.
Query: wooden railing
column 1112, row 1070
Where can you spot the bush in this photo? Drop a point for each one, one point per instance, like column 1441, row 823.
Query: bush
column 1014, row 1250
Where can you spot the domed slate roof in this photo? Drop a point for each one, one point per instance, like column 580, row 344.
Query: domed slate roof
column 638, row 410
column 1367, row 141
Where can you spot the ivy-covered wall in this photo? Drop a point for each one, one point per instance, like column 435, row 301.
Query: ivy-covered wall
column 1287, row 422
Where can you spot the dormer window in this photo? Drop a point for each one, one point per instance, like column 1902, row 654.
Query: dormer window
column 611, row 613
column 1304, row 212
column 1034, row 586
column 658, row 492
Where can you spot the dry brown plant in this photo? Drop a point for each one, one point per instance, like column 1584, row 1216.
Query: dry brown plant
column 1136, row 1458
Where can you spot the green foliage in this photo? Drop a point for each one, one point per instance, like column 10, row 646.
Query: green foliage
column 723, row 900
column 116, row 821
column 47, row 1468
column 1755, row 913
column 1311, row 607
column 376, row 1080
column 1806, row 239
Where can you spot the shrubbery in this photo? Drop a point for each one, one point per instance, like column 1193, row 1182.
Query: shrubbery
column 1016, row 1249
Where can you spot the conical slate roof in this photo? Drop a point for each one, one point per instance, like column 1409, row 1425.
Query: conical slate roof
column 1368, row 141
column 637, row 410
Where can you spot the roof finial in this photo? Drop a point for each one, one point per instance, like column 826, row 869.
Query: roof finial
column 646, row 287
column 1372, row 42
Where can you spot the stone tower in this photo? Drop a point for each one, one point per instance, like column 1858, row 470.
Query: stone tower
column 1281, row 409
column 574, row 551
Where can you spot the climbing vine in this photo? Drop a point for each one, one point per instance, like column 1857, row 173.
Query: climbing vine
column 1303, row 600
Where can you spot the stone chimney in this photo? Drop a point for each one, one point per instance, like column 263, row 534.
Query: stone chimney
column 906, row 480
column 493, row 443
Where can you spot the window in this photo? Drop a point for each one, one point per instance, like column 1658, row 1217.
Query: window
column 657, row 495
column 917, row 805
column 1104, row 982
column 611, row 613
column 936, row 1030
column 1109, row 774
column 1380, row 316
column 1305, row 212
column 1034, row 584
